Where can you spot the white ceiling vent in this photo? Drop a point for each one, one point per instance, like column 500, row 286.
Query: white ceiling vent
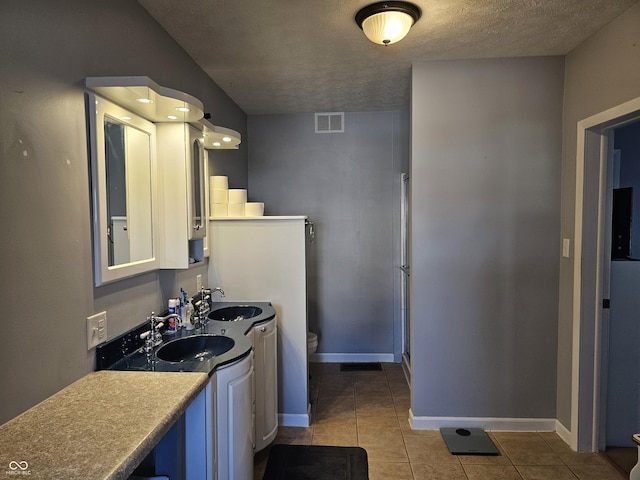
column 332, row 122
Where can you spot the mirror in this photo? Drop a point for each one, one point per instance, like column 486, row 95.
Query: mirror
column 123, row 190
column 198, row 225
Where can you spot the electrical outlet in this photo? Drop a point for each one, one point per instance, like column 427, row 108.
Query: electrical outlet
column 198, row 282
column 96, row 329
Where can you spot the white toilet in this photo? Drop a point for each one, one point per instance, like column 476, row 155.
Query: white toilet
column 312, row 343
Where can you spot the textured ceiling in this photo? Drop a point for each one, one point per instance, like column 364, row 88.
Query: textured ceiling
column 286, row 56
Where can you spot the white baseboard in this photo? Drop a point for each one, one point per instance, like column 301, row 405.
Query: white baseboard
column 564, row 433
column 486, row 423
column 351, row 357
column 295, row 419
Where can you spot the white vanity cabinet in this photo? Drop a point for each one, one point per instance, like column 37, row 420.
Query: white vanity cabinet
column 264, row 338
column 234, row 420
column 182, row 168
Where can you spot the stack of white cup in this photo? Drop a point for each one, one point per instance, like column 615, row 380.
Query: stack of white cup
column 231, row 202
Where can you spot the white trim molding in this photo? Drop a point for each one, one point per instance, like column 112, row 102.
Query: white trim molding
column 352, row 357
column 486, row 423
column 585, row 394
column 294, row 420
column 565, row 434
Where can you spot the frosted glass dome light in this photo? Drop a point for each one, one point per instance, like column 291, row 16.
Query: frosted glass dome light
column 385, row 23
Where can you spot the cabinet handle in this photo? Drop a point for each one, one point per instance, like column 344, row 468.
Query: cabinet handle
column 263, row 329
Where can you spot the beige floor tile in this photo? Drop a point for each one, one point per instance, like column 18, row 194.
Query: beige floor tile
column 372, row 390
column 597, row 472
column 525, row 448
column 484, row 459
column 443, row 471
column 567, row 455
column 546, row 472
column 370, row 406
column 491, row 472
column 300, row 439
column 377, row 425
column 329, row 381
column 332, row 368
column 335, row 426
column 335, row 440
column 370, row 378
column 336, row 405
column 407, row 431
column 428, row 449
column 371, row 410
column 387, row 448
column 574, row 458
column 338, row 388
column 390, row 471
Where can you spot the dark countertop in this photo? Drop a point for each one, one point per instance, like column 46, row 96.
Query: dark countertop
column 236, row 330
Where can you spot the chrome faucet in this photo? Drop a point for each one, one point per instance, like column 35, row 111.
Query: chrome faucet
column 152, row 337
column 217, row 289
column 203, row 307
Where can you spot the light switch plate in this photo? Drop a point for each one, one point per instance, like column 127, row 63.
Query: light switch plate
column 96, row 329
column 566, row 245
column 198, row 282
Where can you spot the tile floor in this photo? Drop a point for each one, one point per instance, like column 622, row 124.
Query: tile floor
column 370, row 410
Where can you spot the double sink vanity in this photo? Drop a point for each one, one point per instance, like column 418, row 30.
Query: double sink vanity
column 235, row 414
column 196, row 407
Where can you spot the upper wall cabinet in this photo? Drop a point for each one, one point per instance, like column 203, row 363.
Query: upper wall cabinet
column 128, row 215
column 182, row 168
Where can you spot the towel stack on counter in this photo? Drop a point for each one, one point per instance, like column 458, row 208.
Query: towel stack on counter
column 231, row 202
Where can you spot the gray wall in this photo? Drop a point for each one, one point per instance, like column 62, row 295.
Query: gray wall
column 485, row 183
column 349, row 185
column 46, row 51
column 601, row 73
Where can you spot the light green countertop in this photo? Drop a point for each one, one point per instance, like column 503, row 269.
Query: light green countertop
column 100, row 427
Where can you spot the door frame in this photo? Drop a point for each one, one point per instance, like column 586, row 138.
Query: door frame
column 594, row 150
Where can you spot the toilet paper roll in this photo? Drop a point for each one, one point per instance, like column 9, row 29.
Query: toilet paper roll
column 253, row 209
column 219, row 181
column 236, row 209
column 219, row 210
column 237, row 195
column 219, row 195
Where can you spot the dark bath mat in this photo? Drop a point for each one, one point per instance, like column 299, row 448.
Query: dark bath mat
column 360, row 367
column 314, row 462
column 468, row 441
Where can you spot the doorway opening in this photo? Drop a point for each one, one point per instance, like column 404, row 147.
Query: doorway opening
column 591, row 276
column 404, row 267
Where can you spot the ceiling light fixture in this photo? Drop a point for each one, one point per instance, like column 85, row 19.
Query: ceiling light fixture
column 385, row 23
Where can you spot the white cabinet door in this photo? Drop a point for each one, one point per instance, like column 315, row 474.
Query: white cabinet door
column 265, row 343
column 234, row 420
column 182, row 170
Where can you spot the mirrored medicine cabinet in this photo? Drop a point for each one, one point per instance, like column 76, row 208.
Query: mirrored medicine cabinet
column 148, row 155
column 124, row 191
column 127, row 212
